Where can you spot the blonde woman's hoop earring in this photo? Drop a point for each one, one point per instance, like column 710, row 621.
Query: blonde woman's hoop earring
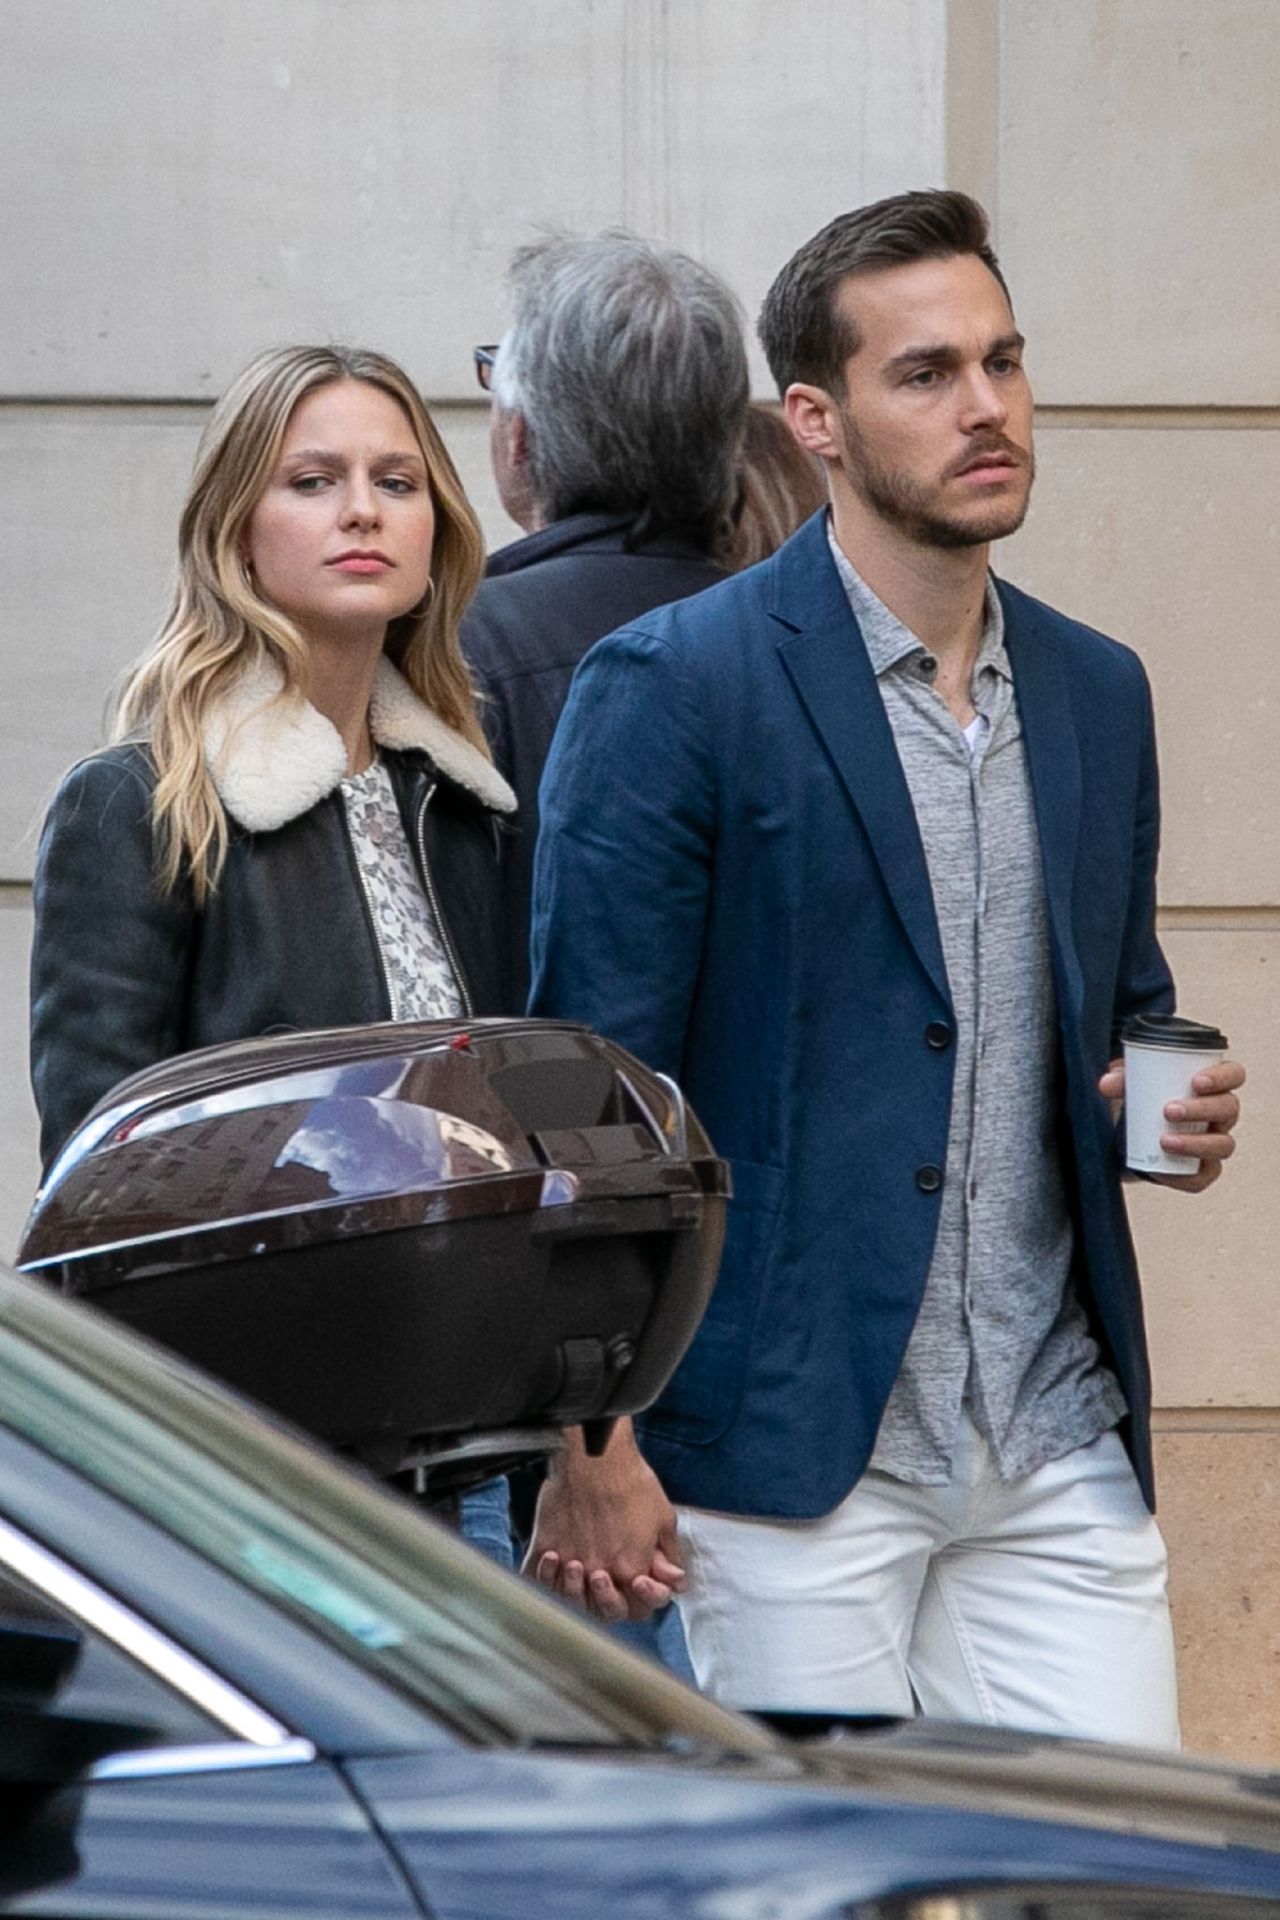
column 425, row 604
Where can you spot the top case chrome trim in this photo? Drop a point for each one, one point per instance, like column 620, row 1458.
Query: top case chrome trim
column 139, row 1639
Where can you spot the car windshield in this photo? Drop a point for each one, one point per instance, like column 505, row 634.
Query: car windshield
column 404, row 1597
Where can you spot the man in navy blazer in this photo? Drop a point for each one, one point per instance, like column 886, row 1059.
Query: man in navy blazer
column 860, row 846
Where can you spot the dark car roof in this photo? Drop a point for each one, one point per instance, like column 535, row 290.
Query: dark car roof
column 963, row 1768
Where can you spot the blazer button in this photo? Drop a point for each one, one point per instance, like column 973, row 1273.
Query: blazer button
column 938, row 1035
column 929, row 1179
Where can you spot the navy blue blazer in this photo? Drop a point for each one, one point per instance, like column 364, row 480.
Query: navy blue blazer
column 730, row 882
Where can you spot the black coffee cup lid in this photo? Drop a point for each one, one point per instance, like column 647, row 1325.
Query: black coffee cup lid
column 1171, row 1030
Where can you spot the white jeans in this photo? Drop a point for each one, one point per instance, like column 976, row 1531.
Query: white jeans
column 1040, row 1604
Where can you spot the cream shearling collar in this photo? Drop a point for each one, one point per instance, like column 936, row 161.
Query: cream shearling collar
column 271, row 760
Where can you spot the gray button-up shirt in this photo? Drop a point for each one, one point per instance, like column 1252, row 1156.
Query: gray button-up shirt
column 1000, row 1327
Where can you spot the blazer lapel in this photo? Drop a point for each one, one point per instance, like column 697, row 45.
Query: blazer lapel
column 1053, row 763
column 823, row 654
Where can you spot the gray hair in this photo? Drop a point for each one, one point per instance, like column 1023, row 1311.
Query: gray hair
column 627, row 361
column 503, row 384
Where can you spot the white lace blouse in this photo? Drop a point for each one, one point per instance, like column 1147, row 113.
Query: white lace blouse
column 420, row 978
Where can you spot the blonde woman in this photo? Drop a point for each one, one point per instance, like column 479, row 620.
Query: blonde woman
column 295, row 826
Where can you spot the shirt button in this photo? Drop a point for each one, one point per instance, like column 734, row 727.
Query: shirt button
column 928, row 666
column 929, row 1179
column 937, row 1035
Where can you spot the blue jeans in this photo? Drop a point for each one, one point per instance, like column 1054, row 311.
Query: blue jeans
column 661, row 1637
column 484, row 1518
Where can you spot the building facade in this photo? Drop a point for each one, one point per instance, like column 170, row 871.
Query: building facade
column 188, row 184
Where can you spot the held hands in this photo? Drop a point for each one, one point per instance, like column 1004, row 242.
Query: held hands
column 604, row 1536
column 1214, row 1100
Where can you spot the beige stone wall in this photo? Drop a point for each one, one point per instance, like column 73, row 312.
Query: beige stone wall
column 1133, row 163
column 188, row 184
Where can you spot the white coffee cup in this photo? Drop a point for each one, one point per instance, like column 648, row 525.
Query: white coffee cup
column 1162, row 1055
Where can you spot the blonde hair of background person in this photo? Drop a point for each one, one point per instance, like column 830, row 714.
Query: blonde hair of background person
column 218, row 620
column 780, row 486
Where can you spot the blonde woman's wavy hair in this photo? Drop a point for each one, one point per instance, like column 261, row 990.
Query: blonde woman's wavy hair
column 217, row 623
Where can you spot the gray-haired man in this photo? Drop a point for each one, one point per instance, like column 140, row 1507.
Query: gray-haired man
column 620, row 399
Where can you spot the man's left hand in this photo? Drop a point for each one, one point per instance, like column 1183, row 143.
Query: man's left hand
column 1213, row 1100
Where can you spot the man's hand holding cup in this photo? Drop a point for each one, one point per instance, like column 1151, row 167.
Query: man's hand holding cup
column 1178, row 1093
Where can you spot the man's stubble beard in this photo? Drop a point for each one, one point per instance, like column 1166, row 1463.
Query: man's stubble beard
column 908, row 506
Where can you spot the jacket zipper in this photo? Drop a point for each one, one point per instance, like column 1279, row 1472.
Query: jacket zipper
column 468, row 1005
column 368, row 914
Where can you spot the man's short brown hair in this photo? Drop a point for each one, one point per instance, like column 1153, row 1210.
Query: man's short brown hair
column 804, row 334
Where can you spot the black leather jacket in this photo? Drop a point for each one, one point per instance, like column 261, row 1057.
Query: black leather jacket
column 124, row 975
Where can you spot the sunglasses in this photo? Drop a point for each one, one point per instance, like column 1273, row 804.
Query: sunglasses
column 484, row 358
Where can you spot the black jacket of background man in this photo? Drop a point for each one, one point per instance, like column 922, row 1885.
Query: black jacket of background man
column 543, row 603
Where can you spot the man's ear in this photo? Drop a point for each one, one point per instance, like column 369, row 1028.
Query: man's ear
column 511, row 450
column 512, row 429
column 813, row 418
